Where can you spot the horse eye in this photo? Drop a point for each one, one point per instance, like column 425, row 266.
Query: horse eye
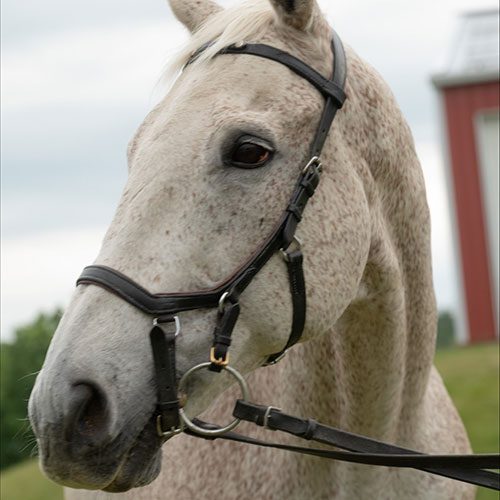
column 248, row 154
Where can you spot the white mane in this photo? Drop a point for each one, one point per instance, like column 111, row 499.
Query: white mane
column 231, row 25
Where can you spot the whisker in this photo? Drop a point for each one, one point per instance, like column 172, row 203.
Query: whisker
column 34, row 451
column 33, row 374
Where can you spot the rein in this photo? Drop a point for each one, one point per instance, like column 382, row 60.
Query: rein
column 171, row 418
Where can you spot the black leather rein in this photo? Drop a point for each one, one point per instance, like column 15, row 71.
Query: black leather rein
column 164, row 306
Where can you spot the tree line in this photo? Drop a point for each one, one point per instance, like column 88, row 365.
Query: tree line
column 20, row 361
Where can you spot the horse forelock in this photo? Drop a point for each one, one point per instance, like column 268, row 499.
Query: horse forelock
column 231, row 25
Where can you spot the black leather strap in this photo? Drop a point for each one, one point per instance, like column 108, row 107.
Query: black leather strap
column 304, row 190
column 163, row 347
column 477, row 477
column 329, row 88
column 294, row 261
column 339, row 76
column 363, row 450
column 139, row 297
column 331, row 107
column 226, row 320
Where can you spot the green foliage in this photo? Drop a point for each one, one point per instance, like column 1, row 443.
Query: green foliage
column 20, row 362
column 446, row 330
column 26, row 482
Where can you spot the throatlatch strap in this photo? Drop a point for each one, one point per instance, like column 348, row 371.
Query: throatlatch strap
column 331, row 105
column 163, row 346
column 294, row 262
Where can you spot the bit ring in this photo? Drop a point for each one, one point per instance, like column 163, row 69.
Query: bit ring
column 221, row 430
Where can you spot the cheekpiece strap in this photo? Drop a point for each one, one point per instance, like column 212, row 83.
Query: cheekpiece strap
column 163, row 346
column 227, row 317
column 294, row 262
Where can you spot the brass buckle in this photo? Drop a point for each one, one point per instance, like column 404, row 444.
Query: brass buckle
column 218, row 361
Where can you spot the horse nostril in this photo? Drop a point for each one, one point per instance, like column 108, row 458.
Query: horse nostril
column 87, row 418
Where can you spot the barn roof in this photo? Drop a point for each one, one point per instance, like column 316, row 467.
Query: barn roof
column 474, row 56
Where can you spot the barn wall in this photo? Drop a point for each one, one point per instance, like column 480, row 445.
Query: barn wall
column 462, row 104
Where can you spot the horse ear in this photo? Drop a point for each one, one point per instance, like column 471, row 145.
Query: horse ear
column 295, row 13
column 193, row 13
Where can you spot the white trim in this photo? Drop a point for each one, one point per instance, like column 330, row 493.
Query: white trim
column 489, row 223
column 462, row 333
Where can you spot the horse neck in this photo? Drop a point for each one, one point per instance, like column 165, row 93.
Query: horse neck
column 371, row 372
column 367, row 375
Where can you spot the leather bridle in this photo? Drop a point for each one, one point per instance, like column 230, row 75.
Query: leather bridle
column 164, row 307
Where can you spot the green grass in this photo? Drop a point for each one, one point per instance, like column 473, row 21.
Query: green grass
column 26, row 482
column 471, row 375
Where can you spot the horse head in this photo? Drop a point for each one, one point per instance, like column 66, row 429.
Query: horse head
column 211, row 169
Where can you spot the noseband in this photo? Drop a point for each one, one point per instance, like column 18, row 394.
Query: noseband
column 225, row 297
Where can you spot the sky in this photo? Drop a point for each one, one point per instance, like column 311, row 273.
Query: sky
column 78, row 78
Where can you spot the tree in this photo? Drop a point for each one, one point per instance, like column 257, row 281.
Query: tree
column 446, row 330
column 21, row 360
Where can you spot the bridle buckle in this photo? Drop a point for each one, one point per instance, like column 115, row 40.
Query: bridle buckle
column 267, row 414
column 159, row 321
column 222, row 301
column 172, row 432
column 218, row 361
column 285, row 252
column 314, row 161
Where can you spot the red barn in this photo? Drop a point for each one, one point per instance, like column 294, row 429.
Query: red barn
column 469, row 91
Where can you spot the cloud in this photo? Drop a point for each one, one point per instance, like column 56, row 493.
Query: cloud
column 39, row 272
column 100, row 65
column 30, row 21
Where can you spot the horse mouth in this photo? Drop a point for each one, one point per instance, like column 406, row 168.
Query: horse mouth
column 115, row 468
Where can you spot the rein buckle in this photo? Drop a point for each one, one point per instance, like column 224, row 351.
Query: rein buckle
column 267, row 414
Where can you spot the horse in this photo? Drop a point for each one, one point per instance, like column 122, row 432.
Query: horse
column 196, row 204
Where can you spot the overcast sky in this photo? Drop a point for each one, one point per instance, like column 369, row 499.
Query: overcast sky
column 79, row 76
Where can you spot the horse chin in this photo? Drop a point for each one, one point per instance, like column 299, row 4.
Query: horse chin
column 141, row 465
column 134, row 473
column 135, row 465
